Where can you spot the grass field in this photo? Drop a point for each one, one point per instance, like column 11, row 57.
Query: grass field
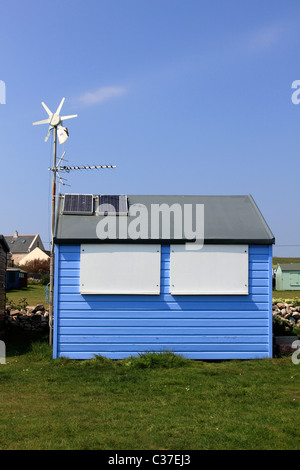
column 144, row 404
column 33, row 293
column 286, row 295
column 277, row 260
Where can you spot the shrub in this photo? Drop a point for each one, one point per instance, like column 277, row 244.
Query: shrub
column 99, row 361
column 37, row 266
column 296, row 331
column 19, row 304
column 282, row 327
column 40, row 351
column 45, row 279
column 152, row 360
column 33, row 282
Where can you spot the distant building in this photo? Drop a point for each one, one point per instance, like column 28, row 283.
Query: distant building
column 288, row 276
column 21, row 245
column 16, row 278
column 36, row 254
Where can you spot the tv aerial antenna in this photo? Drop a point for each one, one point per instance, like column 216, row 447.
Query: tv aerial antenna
column 60, row 133
column 64, row 168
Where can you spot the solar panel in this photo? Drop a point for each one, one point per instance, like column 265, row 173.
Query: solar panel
column 113, row 204
column 78, row 204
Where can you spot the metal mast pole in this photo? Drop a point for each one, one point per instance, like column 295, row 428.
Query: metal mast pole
column 51, row 296
column 55, row 122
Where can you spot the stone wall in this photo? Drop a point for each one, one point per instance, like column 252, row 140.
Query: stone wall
column 286, row 323
column 32, row 318
column 286, row 316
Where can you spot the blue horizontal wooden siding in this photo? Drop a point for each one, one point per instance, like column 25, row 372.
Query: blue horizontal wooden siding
column 198, row 327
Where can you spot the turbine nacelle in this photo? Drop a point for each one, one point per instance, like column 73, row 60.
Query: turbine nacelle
column 55, row 120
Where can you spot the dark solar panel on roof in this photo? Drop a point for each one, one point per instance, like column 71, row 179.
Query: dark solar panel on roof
column 78, row 204
column 113, row 204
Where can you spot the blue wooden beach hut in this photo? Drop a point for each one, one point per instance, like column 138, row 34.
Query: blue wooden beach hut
column 144, row 273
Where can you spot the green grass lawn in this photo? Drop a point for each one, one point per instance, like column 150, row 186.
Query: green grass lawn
column 33, row 293
column 277, row 260
column 286, row 295
column 117, row 405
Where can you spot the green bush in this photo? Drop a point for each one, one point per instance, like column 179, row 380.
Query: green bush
column 37, row 266
column 296, row 331
column 19, row 304
column 99, row 361
column 45, row 279
column 282, row 327
column 152, row 360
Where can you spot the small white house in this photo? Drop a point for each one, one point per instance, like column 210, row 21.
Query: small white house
column 36, row 254
column 21, row 245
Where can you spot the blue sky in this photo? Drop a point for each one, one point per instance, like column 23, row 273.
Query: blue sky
column 184, row 96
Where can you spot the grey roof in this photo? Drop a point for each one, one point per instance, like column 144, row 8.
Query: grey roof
column 289, row 266
column 227, row 219
column 19, row 244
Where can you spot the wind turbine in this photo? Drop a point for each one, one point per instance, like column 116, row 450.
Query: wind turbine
column 55, row 122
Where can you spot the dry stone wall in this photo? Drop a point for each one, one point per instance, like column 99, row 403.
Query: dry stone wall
column 31, row 318
column 287, row 315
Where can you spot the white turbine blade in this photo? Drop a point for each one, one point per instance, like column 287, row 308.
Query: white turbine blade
column 48, row 133
column 47, row 109
column 60, row 106
column 45, row 121
column 68, row 117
